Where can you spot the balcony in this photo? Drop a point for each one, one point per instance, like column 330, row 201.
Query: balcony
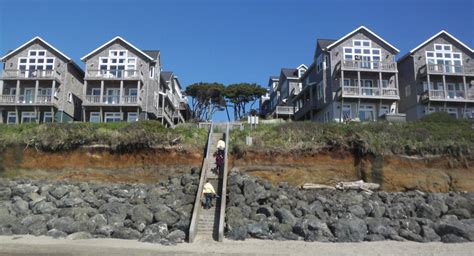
column 111, row 100
column 359, row 65
column 14, row 74
column 449, row 95
column 26, row 100
column 443, row 69
column 113, row 74
column 307, row 106
column 369, row 92
column 284, row 110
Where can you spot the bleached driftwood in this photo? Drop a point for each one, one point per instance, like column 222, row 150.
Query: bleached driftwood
column 316, row 186
column 357, row 185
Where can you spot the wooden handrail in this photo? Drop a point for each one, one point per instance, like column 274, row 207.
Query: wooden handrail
column 224, row 186
column 197, row 202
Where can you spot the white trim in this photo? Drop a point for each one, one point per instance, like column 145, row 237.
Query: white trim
column 112, row 116
column 47, row 114
column 438, row 34
column 354, row 31
column 29, row 42
column 96, row 115
column 11, row 114
column 109, row 42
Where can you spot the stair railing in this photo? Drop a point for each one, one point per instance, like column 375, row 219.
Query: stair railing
column 197, row 202
column 220, row 237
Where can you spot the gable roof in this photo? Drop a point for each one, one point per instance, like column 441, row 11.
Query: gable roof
column 31, row 41
column 323, row 43
column 111, row 41
column 431, row 39
column 166, row 75
column 152, row 53
column 356, row 30
column 289, row 72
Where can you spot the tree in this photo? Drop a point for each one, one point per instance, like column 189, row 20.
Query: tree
column 240, row 95
column 207, row 98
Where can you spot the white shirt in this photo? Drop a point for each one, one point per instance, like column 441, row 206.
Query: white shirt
column 208, row 188
column 221, row 145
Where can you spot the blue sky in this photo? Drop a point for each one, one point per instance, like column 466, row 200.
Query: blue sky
column 228, row 41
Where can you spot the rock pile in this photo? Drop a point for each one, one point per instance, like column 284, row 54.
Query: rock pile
column 156, row 213
column 257, row 209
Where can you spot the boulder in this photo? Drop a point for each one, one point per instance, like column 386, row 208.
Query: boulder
column 349, row 230
column 237, row 233
column 285, row 216
column 59, row 191
column 429, row 235
column 258, row 230
column 141, row 214
column 126, row 233
column 5, row 193
column 54, row 233
column 79, row 235
column 44, row 207
column 163, row 213
column 176, row 236
column 35, row 224
column 427, row 211
column 64, row 224
column 455, row 227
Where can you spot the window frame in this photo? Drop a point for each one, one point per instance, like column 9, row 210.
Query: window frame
column 95, row 114
column 11, row 114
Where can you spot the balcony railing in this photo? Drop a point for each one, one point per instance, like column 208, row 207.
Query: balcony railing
column 307, row 106
column 447, row 69
column 368, row 65
column 448, row 95
column 369, row 91
column 30, row 74
column 25, row 99
column 110, row 100
column 114, row 74
column 284, row 110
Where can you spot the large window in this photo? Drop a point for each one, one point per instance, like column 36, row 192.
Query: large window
column 444, row 59
column 112, row 117
column 366, row 113
column 118, row 64
column 363, row 54
column 28, row 117
column 94, row 117
column 47, row 117
column 36, row 61
column 346, row 112
column 11, row 117
column 132, row 117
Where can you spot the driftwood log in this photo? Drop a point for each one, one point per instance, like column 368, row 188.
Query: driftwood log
column 316, row 186
column 357, row 185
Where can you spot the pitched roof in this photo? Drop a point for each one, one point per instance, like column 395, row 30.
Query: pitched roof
column 113, row 40
column 356, row 30
column 152, row 53
column 274, row 77
column 323, row 43
column 31, row 41
column 166, row 75
column 289, row 72
column 431, row 39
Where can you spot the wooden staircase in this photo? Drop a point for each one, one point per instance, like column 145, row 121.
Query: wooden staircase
column 208, row 219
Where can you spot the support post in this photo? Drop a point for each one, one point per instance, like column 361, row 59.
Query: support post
column 444, row 86
column 53, row 89
column 359, row 83
column 36, row 91
column 101, row 100
column 121, row 94
column 17, row 95
column 37, row 115
column 17, row 121
column 466, row 96
column 380, row 85
column 84, row 90
column 121, row 114
column 52, row 114
column 101, row 114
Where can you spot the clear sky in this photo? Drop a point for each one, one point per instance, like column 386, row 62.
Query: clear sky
column 228, row 41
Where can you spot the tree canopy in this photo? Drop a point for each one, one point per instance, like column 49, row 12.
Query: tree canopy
column 242, row 94
column 207, row 98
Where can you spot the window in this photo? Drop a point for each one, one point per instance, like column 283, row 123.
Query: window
column 133, row 92
column 36, row 61
column 11, row 117
column 320, row 90
column 366, row 113
column 152, row 72
column 384, row 109
column 347, row 112
column 347, row 82
column 444, row 59
column 28, row 117
column 451, row 111
column 469, row 113
column 132, row 117
column 47, row 117
column 430, row 110
column 95, row 91
column 319, row 63
column 112, row 117
column 94, row 117
column 118, row 64
column 69, row 97
column 363, row 55
column 407, row 90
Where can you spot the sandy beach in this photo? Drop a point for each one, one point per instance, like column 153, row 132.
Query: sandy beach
column 42, row 246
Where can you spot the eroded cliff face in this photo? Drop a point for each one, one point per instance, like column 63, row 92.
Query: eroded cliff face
column 394, row 173
column 99, row 164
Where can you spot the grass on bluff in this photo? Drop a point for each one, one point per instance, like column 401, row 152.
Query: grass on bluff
column 121, row 135
column 437, row 133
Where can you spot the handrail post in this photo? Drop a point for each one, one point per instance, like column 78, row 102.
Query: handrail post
column 224, row 186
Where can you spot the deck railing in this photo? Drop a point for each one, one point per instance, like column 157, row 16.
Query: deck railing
column 369, row 91
column 448, row 95
column 25, row 99
column 284, row 110
column 368, row 65
column 110, row 100
column 113, row 74
column 30, row 74
column 449, row 69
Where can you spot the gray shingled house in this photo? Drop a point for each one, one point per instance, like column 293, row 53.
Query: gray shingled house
column 437, row 75
column 39, row 84
column 352, row 78
column 124, row 83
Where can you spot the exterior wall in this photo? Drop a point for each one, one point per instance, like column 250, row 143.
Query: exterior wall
column 70, row 80
column 409, row 69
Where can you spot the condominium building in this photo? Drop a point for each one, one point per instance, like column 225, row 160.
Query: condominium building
column 352, row 78
column 39, row 84
column 437, row 75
